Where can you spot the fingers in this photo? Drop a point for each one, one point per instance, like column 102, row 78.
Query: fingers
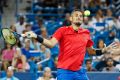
column 30, row 34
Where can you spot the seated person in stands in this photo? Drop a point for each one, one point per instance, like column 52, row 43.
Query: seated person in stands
column 19, row 62
column 100, row 45
column 116, row 53
column 110, row 67
column 46, row 54
column 102, row 63
column 7, row 56
column 47, row 75
column 28, row 27
column 55, row 63
column 89, row 67
column 67, row 20
column 9, row 74
column 25, row 50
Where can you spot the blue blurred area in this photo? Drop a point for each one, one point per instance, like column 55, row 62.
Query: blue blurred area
column 91, row 75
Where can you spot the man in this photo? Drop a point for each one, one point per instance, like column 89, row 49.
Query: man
column 73, row 41
column 89, row 66
column 10, row 74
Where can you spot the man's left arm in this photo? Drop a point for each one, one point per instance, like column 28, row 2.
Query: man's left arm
column 92, row 51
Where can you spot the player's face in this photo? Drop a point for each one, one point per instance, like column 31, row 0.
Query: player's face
column 77, row 18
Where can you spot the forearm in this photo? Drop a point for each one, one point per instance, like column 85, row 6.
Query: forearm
column 49, row 43
column 93, row 51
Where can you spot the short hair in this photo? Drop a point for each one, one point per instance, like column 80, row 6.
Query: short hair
column 27, row 25
column 88, row 60
column 76, row 10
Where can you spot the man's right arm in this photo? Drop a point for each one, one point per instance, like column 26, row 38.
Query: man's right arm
column 50, row 43
column 47, row 42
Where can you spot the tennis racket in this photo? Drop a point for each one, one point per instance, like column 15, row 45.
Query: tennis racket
column 9, row 36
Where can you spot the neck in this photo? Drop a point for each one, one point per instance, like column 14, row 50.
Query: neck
column 75, row 27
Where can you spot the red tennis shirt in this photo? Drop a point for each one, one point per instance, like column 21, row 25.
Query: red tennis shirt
column 72, row 47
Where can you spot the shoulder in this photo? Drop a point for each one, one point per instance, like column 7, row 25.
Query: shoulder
column 63, row 28
column 86, row 30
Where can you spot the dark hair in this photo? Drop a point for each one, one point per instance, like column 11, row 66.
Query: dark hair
column 27, row 25
column 99, row 42
column 88, row 60
column 109, row 59
column 75, row 10
column 5, row 46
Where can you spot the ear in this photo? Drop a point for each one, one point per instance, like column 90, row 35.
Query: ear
column 70, row 18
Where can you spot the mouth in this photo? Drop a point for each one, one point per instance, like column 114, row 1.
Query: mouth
column 78, row 24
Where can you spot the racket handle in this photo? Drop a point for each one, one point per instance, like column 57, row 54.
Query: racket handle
column 18, row 35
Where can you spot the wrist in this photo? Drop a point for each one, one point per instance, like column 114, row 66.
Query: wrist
column 40, row 39
column 99, row 52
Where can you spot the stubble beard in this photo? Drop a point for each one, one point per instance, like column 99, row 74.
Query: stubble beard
column 77, row 24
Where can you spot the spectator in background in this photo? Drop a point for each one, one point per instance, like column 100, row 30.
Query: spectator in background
column 20, row 25
column 38, row 26
column 111, row 36
column 7, row 55
column 100, row 45
column 13, row 28
column 67, row 20
column 117, row 8
column 55, row 63
column 89, row 67
column 98, row 21
column 115, row 52
column 20, row 62
column 102, row 63
column 110, row 66
column 35, row 44
column 25, row 50
column 47, row 74
column 98, row 17
column 9, row 75
column 28, row 27
column 86, row 24
column 117, row 25
column 46, row 54
column 94, row 5
column 109, row 19
column 44, row 33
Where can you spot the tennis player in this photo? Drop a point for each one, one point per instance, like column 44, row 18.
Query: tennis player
column 73, row 41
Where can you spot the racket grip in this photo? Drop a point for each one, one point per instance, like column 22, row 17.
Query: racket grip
column 18, row 35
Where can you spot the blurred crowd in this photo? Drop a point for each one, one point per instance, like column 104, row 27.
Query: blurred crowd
column 28, row 55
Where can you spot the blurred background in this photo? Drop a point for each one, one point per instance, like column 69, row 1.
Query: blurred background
column 44, row 17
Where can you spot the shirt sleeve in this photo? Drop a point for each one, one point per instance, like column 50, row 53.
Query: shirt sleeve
column 58, row 34
column 90, row 42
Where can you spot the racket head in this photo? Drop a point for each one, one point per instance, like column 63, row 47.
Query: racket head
column 8, row 36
